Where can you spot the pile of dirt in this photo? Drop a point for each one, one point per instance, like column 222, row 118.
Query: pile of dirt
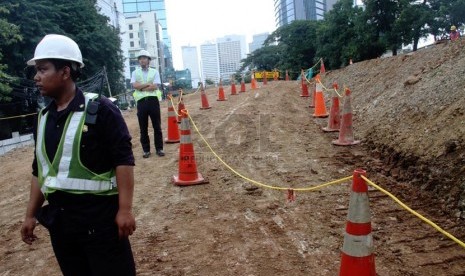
column 410, row 112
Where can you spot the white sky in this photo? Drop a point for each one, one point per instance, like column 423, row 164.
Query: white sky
column 195, row 22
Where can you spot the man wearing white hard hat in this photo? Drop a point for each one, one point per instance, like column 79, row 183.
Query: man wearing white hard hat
column 83, row 167
column 146, row 82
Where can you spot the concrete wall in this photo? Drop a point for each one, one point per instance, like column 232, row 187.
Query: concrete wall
column 16, row 142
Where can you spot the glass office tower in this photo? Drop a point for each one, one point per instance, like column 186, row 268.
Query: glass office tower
column 287, row 11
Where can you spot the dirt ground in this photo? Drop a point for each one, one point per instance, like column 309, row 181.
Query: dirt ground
column 408, row 113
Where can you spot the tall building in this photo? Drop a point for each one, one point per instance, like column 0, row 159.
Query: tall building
column 287, row 11
column 113, row 9
column 144, row 33
column 190, row 61
column 209, row 62
column 132, row 7
column 257, row 41
column 231, row 49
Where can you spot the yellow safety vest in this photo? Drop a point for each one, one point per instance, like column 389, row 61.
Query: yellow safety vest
column 66, row 172
column 138, row 94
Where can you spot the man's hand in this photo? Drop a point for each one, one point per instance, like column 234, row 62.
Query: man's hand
column 126, row 223
column 27, row 230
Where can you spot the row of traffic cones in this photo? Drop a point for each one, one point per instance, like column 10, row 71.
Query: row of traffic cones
column 337, row 121
column 357, row 254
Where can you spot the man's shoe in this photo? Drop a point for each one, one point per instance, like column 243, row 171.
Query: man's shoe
column 146, row 154
column 160, row 152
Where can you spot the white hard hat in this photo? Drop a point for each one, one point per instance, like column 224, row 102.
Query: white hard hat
column 144, row 53
column 57, row 47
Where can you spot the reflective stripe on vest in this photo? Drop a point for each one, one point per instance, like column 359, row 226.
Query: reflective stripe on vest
column 62, row 176
column 138, row 94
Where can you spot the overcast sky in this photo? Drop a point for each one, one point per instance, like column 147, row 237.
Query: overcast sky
column 195, row 22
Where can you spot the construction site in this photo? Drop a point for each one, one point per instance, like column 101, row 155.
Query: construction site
column 278, row 189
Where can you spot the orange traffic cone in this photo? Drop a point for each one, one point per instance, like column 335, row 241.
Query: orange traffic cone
column 320, row 106
column 242, row 85
column 303, row 83
column 346, row 134
column 173, row 130
column 287, row 76
column 313, row 92
column 253, row 81
column 181, row 106
column 204, row 98
column 322, row 67
column 221, row 92
column 188, row 174
column 357, row 257
column 265, row 80
column 334, row 121
column 233, row 86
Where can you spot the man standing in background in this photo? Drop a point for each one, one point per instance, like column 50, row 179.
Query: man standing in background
column 146, row 82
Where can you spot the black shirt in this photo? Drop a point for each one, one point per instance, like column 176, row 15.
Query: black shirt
column 104, row 146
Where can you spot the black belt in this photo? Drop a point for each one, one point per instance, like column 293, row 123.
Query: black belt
column 148, row 98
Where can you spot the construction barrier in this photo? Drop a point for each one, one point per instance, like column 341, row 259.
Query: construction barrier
column 204, row 98
column 346, row 133
column 221, row 92
column 233, row 87
column 303, row 85
column 188, row 174
column 173, row 130
column 242, row 86
column 181, row 106
column 357, row 257
column 334, row 121
column 253, row 82
column 320, row 105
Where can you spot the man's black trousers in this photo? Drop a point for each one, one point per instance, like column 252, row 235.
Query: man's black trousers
column 149, row 107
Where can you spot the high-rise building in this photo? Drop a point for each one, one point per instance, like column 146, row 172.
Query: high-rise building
column 209, row 62
column 113, row 9
column 231, row 49
column 144, row 33
column 287, row 11
column 190, row 61
column 257, row 41
column 132, row 7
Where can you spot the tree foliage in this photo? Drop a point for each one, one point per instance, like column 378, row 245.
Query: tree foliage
column 79, row 19
column 350, row 32
column 9, row 34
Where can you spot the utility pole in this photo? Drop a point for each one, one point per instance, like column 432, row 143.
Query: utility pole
column 106, row 78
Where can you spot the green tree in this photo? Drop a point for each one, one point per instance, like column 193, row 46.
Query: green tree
column 296, row 46
column 346, row 33
column 264, row 58
column 412, row 22
column 9, row 34
column 383, row 15
column 446, row 13
column 78, row 19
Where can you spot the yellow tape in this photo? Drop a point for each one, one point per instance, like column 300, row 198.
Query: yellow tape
column 19, row 116
column 259, row 183
column 326, row 89
column 435, row 226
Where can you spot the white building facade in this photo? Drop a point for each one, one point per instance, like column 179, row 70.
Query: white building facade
column 190, row 61
column 144, row 33
column 113, row 9
column 209, row 62
column 231, row 49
